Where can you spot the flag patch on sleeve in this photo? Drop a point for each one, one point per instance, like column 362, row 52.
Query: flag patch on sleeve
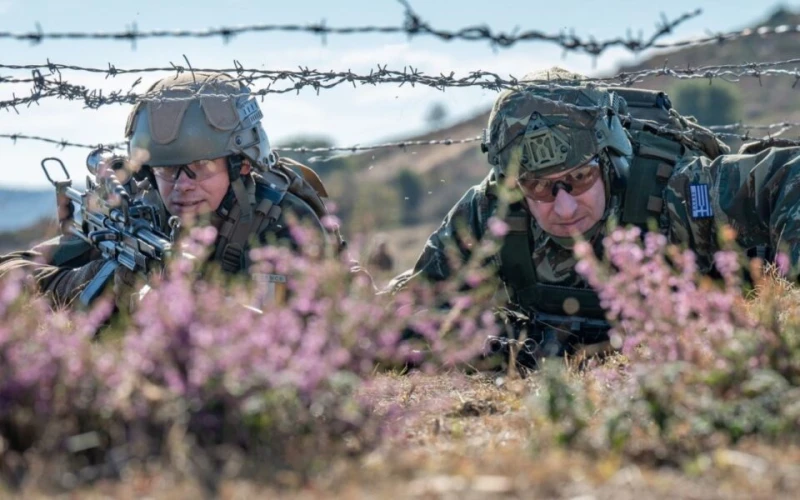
column 701, row 201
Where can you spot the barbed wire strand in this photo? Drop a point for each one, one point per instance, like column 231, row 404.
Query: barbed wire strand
column 782, row 126
column 409, row 73
column 413, row 25
column 56, row 87
column 62, row 143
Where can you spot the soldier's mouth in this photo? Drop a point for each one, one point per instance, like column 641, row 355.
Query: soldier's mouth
column 187, row 205
column 571, row 223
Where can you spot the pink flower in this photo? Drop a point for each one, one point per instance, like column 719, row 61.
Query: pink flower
column 497, row 227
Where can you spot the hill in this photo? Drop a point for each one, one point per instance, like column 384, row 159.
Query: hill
column 764, row 99
column 21, row 208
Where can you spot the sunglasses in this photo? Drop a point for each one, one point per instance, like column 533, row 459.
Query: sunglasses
column 197, row 171
column 575, row 182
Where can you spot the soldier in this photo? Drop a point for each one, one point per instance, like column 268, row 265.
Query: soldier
column 197, row 150
column 577, row 160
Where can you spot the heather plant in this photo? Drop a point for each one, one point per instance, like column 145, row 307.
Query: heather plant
column 51, row 376
column 701, row 364
column 207, row 377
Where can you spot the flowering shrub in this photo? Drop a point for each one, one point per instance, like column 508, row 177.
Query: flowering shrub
column 197, row 375
column 702, row 365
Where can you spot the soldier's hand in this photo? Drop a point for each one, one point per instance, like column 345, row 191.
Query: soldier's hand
column 64, row 212
column 126, row 287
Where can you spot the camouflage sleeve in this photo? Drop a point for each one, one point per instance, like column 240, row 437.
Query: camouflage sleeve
column 757, row 195
column 65, row 251
column 61, row 285
column 464, row 224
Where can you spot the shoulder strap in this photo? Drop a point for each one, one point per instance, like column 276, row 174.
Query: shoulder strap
column 516, row 255
column 654, row 158
column 236, row 229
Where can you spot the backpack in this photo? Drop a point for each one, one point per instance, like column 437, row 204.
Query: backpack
column 660, row 136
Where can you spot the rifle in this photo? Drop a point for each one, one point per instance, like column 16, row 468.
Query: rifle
column 125, row 231
column 547, row 335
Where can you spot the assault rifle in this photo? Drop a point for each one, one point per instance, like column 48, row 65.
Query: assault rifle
column 124, row 230
column 548, row 335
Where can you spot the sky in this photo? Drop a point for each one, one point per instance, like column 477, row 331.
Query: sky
column 347, row 116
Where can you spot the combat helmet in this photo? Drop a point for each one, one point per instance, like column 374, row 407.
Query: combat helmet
column 200, row 116
column 555, row 122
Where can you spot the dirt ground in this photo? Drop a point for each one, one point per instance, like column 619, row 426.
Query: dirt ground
column 471, row 437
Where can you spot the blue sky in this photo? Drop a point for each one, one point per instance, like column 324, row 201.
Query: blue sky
column 346, row 115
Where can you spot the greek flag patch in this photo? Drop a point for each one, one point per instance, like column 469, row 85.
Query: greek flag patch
column 701, row 201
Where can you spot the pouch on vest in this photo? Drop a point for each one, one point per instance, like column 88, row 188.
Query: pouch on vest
column 653, row 161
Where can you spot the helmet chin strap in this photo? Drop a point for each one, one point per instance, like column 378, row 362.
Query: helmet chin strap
column 237, row 192
column 236, row 214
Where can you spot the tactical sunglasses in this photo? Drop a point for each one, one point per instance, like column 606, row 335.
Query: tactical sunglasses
column 197, row 171
column 575, row 182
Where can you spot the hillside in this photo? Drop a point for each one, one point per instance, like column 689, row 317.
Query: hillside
column 765, row 100
column 20, row 208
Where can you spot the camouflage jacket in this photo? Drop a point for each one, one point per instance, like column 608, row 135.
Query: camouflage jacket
column 757, row 194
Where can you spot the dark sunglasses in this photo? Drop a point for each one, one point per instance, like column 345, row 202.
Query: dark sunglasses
column 198, row 171
column 575, row 182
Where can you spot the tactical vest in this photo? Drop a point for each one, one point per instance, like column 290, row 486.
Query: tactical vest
column 651, row 122
column 267, row 196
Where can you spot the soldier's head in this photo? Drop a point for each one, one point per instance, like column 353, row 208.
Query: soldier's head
column 560, row 142
column 196, row 136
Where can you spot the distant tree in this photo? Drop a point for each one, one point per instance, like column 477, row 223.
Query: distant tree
column 715, row 104
column 436, row 115
column 411, row 189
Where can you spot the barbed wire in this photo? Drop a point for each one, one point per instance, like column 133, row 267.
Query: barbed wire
column 412, row 26
column 719, row 38
column 743, row 126
column 409, row 73
column 783, row 126
column 62, row 143
column 56, row 87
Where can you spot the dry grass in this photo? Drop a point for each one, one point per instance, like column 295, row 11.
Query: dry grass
column 472, row 437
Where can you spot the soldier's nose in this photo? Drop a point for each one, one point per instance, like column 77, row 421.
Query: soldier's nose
column 183, row 182
column 564, row 205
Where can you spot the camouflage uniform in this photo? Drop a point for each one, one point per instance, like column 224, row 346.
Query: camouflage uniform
column 256, row 209
column 691, row 195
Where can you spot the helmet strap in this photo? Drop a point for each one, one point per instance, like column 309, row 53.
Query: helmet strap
column 236, row 211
